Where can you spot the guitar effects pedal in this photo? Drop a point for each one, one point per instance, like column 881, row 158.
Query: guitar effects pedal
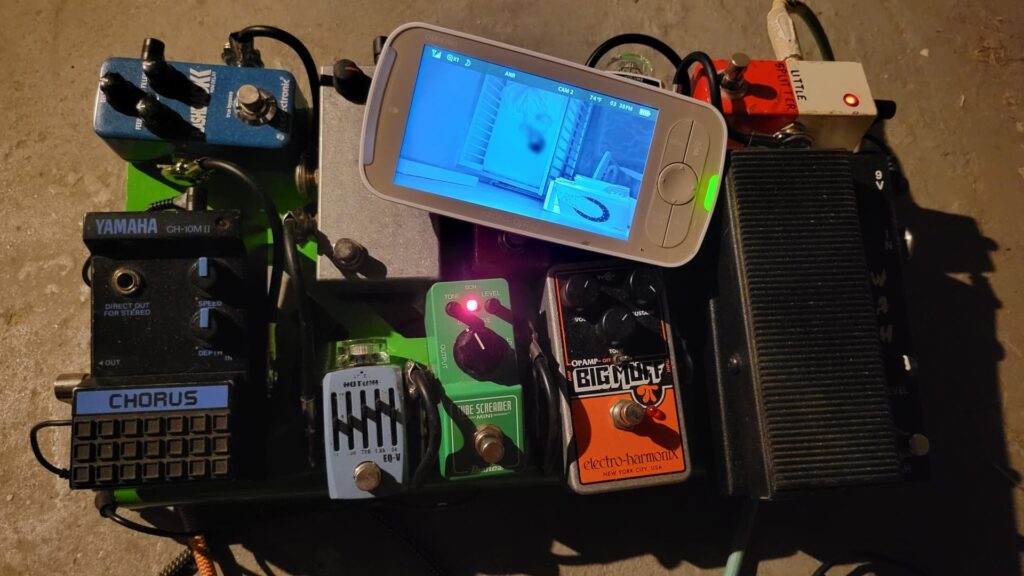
column 177, row 351
column 622, row 417
column 148, row 108
column 472, row 353
column 364, row 423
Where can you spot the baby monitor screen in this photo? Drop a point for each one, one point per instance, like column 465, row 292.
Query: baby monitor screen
column 501, row 138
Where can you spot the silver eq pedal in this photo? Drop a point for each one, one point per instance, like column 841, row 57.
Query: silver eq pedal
column 364, row 423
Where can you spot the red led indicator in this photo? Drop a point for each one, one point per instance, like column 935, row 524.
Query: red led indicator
column 851, row 100
column 472, row 304
column 654, row 413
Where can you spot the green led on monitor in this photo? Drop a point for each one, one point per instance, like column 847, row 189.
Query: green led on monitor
column 711, row 192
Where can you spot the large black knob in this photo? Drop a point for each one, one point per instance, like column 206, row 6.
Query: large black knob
column 580, row 291
column 480, row 352
column 644, row 285
column 617, row 325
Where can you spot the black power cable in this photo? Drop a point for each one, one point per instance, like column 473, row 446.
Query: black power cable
column 633, row 38
column 814, row 25
column 307, row 389
column 87, row 271
column 107, row 506
column 682, row 77
column 552, row 447
column 308, row 63
column 33, row 438
column 269, row 209
column 110, row 512
column 421, row 385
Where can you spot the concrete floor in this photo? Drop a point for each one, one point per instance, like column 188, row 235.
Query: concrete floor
column 957, row 72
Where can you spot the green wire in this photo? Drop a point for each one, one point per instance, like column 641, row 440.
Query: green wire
column 817, row 30
column 734, row 564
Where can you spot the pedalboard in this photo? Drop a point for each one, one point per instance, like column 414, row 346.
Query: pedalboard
column 364, row 426
column 178, row 350
column 622, row 418
column 797, row 315
column 148, row 108
column 472, row 353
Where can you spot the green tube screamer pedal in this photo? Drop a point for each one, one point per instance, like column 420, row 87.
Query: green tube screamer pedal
column 472, row 353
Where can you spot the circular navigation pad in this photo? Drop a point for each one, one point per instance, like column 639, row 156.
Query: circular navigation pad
column 677, row 183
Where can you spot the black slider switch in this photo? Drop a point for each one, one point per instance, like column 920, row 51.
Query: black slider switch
column 215, row 329
column 121, row 94
column 351, row 82
column 205, row 274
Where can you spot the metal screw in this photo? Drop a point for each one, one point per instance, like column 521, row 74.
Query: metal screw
column 909, row 364
column 733, row 364
column 908, row 242
column 367, row 476
column 918, row 444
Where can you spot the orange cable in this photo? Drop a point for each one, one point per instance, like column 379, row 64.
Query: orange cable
column 201, row 553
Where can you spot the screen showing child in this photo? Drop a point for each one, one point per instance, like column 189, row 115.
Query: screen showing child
column 499, row 137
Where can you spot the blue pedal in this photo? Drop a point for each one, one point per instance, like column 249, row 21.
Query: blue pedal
column 194, row 108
